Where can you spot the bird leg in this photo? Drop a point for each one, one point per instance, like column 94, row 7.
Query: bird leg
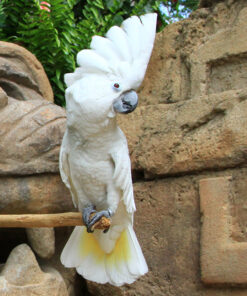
column 86, row 214
column 96, row 220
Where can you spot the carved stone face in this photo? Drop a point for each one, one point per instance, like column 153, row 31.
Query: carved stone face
column 22, row 75
column 3, row 98
column 31, row 130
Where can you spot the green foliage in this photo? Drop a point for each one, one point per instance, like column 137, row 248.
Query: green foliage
column 55, row 34
column 51, row 36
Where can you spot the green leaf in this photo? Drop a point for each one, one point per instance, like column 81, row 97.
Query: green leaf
column 99, row 4
column 57, row 40
column 117, row 20
column 67, row 37
column 58, row 74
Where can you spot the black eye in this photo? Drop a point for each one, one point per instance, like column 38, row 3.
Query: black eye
column 116, row 85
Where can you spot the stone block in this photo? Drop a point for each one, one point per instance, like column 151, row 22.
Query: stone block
column 21, row 275
column 223, row 260
column 168, row 227
column 42, row 240
column 219, row 64
column 33, row 194
column 190, row 136
column 167, row 230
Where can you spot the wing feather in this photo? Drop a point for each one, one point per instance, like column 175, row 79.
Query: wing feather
column 122, row 177
column 65, row 171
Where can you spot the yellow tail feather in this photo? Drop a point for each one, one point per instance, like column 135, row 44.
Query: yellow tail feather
column 89, row 246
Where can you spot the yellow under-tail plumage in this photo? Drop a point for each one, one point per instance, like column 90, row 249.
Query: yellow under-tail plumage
column 123, row 264
column 90, row 246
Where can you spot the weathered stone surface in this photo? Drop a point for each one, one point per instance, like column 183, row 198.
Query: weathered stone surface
column 168, row 78
column 31, row 133
column 223, row 259
column 21, row 275
column 198, row 125
column 162, row 83
column 170, row 74
column 21, row 74
column 191, row 125
column 237, row 208
column 216, row 68
column 194, row 135
column 168, row 227
column 43, row 193
column 42, row 240
column 3, row 98
column 160, row 225
column 75, row 284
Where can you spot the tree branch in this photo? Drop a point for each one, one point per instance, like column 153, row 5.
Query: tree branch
column 48, row 220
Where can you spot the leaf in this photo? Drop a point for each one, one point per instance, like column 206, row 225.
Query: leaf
column 117, row 20
column 57, row 40
column 67, row 37
column 114, row 5
column 58, row 74
column 99, row 3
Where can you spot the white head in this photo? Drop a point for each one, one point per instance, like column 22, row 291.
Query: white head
column 111, row 71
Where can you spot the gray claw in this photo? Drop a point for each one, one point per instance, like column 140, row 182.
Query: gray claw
column 97, row 217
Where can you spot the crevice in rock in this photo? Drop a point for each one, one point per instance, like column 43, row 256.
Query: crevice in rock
column 9, row 239
column 213, row 115
column 190, row 173
column 22, row 79
column 137, row 175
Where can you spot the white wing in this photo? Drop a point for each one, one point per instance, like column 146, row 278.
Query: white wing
column 65, row 171
column 122, row 176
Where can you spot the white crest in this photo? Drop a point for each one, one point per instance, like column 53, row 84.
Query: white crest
column 124, row 52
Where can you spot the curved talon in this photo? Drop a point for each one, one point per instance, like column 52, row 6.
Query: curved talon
column 89, row 230
column 97, row 217
column 90, row 220
column 106, row 230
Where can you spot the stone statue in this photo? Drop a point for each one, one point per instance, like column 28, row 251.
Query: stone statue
column 31, row 130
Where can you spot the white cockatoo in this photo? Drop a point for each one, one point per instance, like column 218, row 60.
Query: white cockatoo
column 94, row 158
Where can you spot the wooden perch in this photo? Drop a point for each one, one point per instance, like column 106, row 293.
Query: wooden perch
column 48, row 220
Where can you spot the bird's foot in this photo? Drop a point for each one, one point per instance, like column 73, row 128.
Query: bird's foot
column 86, row 214
column 94, row 217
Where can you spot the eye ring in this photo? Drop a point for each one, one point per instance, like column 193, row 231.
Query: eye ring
column 116, row 86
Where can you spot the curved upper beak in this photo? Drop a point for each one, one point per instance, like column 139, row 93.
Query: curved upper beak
column 126, row 103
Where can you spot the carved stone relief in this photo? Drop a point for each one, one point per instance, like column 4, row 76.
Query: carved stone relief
column 223, row 257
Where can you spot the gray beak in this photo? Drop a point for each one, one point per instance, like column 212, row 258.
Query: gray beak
column 126, row 103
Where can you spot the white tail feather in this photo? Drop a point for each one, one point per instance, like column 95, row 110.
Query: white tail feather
column 123, row 265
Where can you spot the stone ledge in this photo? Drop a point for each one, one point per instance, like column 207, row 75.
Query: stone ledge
column 40, row 194
column 204, row 133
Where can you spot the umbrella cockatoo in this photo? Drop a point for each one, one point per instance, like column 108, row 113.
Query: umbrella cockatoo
column 94, row 158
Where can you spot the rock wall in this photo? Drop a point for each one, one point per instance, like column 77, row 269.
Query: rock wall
column 188, row 148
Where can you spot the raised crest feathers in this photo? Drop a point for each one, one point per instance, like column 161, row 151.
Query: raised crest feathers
column 122, row 51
